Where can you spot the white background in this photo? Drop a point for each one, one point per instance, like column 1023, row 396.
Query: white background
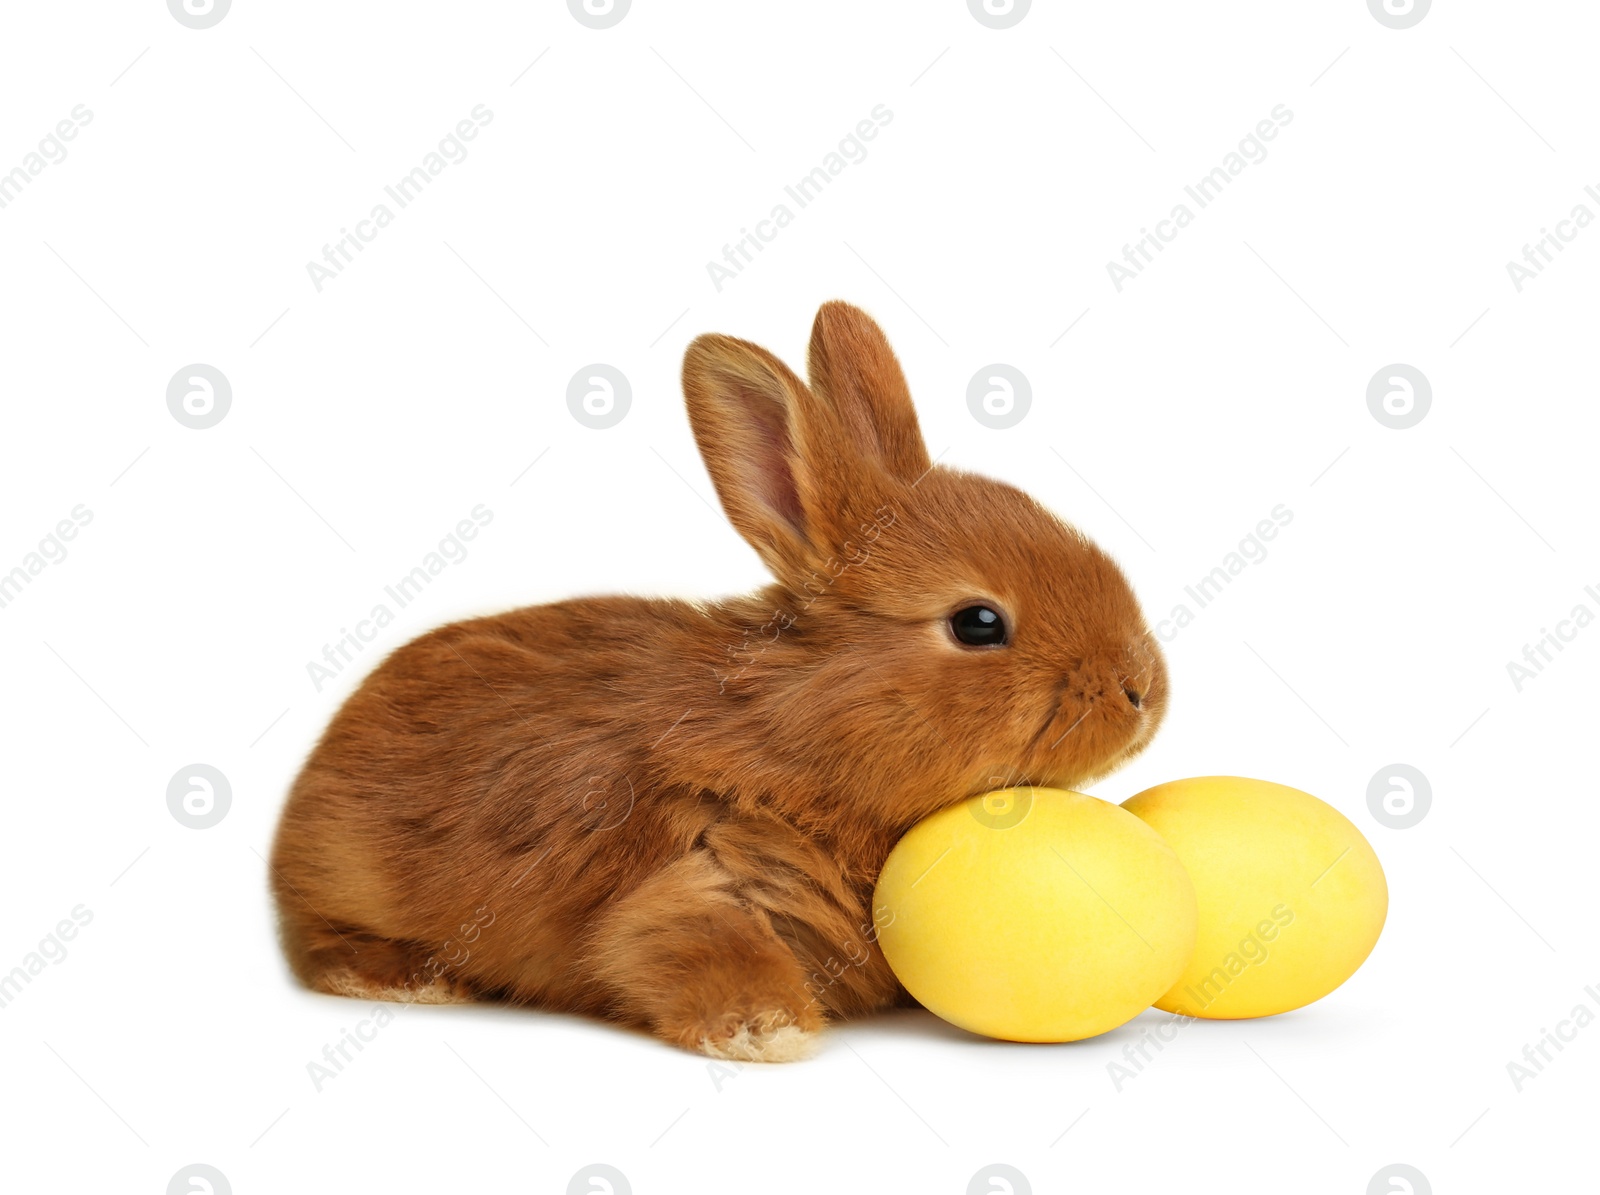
column 367, row 419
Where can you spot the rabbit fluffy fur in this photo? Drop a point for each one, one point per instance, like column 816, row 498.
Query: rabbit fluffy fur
column 671, row 814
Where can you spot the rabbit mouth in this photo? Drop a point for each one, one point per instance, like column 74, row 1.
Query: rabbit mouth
column 1091, row 729
column 1076, row 698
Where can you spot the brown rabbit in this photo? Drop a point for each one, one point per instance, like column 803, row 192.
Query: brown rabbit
column 672, row 813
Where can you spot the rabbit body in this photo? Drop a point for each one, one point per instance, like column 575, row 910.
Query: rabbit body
column 672, row 814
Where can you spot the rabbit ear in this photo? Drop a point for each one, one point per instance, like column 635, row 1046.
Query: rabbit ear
column 744, row 407
column 854, row 371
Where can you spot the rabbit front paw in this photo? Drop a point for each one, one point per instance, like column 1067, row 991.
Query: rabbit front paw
column 771, row 1036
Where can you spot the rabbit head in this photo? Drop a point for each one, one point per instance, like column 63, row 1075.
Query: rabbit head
column 936, row 633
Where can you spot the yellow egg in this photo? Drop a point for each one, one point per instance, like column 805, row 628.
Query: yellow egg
column 1033, row 914
column 1291, row 896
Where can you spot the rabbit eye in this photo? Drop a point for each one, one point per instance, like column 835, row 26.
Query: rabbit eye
column 978, row 626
